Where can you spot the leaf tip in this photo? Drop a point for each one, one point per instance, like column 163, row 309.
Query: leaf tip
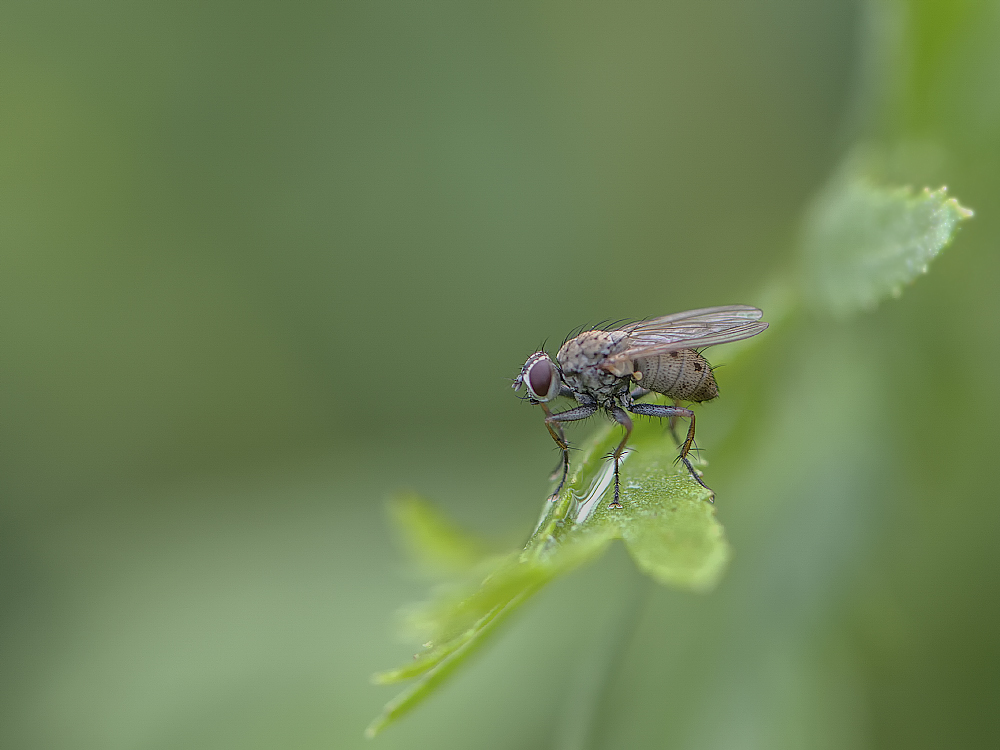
column 435, row 543
column 382, row 678
column 864, row 241
column 963, row 212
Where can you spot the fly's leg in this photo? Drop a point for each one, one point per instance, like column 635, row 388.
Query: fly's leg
column 625, row 421
column 672, row 422
column 659, row 410
column 552, row 425
column 557, row 435
column 563, row 460
column 560, row 439
column 638, row 393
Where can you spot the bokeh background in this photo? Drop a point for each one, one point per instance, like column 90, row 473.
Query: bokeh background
column 264, row 264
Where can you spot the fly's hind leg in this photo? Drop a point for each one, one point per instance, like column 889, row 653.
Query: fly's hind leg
column 552, row 425
column 672, row 422
column 638, row 393
column 659, row 410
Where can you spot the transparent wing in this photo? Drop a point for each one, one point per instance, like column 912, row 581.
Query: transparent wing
column 692, row 329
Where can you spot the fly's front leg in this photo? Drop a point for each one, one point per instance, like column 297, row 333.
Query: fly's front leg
column 625, row 421
column 560, row 439
column 557, row 435
column 552, row 425
column 659, row 410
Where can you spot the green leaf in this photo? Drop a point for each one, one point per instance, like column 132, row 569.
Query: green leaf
column 667, row 521
column 864, row 241
column 433, row 541
column 667, row 524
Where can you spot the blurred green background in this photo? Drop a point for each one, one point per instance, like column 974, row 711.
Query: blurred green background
column 264, row 264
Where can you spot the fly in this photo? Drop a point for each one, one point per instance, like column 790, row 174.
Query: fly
column 610, row 370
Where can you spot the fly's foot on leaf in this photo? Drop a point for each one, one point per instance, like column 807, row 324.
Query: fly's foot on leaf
column 697, row 477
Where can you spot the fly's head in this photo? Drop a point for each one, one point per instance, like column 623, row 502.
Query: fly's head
column 540, row 377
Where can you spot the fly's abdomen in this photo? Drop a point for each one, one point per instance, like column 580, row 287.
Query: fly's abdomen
column 683, row 374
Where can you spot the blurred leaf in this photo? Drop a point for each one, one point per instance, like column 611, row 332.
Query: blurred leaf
column 432, row 540
column 863, row 241
column 667, row 525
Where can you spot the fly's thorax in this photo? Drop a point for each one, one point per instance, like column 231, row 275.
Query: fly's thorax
column 682, row 374
column 580, row 359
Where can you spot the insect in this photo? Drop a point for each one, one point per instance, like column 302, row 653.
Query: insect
column 599, row 368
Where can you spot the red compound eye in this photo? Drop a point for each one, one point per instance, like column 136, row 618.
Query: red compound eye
column 540, row 377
